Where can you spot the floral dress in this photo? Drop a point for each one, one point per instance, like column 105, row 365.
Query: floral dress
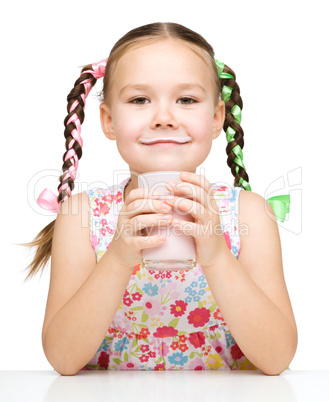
column 167, row 320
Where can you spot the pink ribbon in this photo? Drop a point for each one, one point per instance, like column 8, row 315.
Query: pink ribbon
column 98, row 70
column 47, row 199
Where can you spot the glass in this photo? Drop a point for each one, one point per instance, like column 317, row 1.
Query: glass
column 178, row 252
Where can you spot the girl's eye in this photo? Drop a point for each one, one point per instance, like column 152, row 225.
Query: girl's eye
column 139, row 101
column 187, row 101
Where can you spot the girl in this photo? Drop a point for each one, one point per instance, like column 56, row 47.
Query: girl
column 104, row 310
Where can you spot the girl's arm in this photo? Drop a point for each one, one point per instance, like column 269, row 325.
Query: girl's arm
column 251, row 292
column 84, row 296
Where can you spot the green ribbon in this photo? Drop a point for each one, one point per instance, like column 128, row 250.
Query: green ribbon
column 236, row 111
column 280, row 203
column 245, row 184
column 226, row 93
column 220, row 68
column 230, row 133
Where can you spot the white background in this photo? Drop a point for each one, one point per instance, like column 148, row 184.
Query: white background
column 278, row 51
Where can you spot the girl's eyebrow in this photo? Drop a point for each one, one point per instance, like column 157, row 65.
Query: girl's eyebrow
column 141, row 87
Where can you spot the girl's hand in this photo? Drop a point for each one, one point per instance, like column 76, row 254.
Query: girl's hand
column 207, row 229
column 140, row 210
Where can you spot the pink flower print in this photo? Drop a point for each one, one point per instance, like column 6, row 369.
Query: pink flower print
column 151, row 307
column 97, row 201
column 227, row 239
column 172, row 285
column 136, row 296
column 144, row 348
column 222, row 188
column 96, row 212
column 144, row 358
column 127, row 366
column 199, row 317
column 163, row 349
column 121, row 328
column 118, row 197
column 236, row 352
column 127, row 301
column 174, row 345
column 152, row 354
column 219, row 348
column 159, row 367
column 164, row 332
column 197, row 339
column 102, row 232
column 143, row 333
column 103, row 222
column 182, row 338
column 107, row 198
column 109, row 230
column 136, row 269
column 174, row 295
column 103, row 360
column 223, row 207
column 94, row 240
column 183, row 347
column 178, row 309
column 196, row 364
column 104, row 208
column 218, row 315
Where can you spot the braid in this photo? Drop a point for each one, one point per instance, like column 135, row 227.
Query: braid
column 72, row 122
column 234, row 134
column 75, row 108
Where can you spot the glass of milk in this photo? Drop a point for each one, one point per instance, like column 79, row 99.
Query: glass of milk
column 178, row 251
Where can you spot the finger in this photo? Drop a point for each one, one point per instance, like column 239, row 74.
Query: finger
column 141, row 222
column 139, row 193
column 146, row 205
column 141, row 242
column 193, row 200
column 202, row 182
column 190, row 191
column 184, row 206
column 197, row 179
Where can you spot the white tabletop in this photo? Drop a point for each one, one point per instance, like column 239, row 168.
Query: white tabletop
column 157, row 386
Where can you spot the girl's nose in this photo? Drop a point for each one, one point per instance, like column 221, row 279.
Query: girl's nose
column 164, row 117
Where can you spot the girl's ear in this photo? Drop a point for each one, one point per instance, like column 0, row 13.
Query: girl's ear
column 219, row 118
column 106, row 121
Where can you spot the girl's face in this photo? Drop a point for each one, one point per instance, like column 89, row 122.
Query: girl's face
column 162, row 90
